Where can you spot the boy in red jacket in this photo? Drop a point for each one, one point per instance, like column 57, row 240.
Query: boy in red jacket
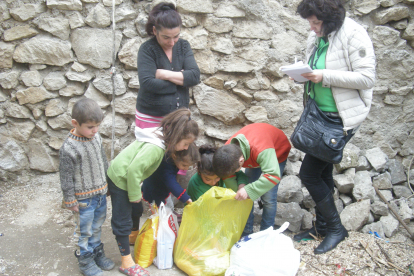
column 263, row 150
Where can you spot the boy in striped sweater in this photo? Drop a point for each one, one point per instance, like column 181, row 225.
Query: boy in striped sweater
column 263, row 150
column 82, row 170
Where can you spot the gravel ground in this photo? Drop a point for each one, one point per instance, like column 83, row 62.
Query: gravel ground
column 36, row 239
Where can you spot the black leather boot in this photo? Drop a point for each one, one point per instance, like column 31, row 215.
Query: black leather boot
column 318, row 229
column 335, row 231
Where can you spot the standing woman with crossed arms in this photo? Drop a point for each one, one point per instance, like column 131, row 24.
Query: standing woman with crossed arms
column 166, row 70
column 342, row 57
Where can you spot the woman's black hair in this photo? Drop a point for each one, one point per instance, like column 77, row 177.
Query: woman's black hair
column 163, row 15
column 331, row 12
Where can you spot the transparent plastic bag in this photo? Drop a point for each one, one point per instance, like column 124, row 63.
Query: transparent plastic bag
column 210, row 227
column 264, row 253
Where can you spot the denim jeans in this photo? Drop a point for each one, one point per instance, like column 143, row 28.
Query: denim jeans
column 269, row 200
column 89, row 220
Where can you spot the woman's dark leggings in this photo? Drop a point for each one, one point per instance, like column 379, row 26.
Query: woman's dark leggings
column 317, row 177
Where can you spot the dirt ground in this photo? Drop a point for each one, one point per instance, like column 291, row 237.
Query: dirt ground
column 36, row 233
column 36, row 239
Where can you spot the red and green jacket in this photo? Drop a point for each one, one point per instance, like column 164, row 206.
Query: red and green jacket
column 263, row 146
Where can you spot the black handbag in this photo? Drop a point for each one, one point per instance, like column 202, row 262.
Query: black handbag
column 319, row 135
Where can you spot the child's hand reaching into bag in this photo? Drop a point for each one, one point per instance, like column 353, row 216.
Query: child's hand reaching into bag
column 241, row 194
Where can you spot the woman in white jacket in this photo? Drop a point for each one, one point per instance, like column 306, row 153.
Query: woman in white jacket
column 341, row 55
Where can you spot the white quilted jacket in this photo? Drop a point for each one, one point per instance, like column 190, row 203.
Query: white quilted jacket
column 350, row 71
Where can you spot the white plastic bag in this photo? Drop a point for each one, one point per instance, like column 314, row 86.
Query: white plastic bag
column 167, row 233
column 265, row 253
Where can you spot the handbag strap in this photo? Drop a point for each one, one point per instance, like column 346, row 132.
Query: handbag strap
column 309, row 83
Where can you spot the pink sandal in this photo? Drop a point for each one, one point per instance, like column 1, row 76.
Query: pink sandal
column 135, row 270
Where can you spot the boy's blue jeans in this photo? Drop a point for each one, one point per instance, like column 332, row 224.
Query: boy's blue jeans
column 269, row 200
column 89, row 220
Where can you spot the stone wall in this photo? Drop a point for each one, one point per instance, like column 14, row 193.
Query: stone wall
column 53, row 52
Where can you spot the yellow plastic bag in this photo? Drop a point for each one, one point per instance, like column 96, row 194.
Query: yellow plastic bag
column 210, row 227
column 145, row 248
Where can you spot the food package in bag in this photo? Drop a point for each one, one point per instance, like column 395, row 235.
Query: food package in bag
column 264, row 253
column 145, row 248
column 167, row 233
column 210, row 226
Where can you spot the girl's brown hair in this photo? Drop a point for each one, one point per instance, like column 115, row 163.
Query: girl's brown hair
column 205, row 165
column 177, row 126
column 188, row 156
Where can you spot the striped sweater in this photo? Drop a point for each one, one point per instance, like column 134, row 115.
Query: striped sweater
column 82, row 168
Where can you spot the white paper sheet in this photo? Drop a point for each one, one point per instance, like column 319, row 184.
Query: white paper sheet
column 295, row 70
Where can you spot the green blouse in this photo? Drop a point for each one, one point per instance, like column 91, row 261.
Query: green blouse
column 324, row 98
